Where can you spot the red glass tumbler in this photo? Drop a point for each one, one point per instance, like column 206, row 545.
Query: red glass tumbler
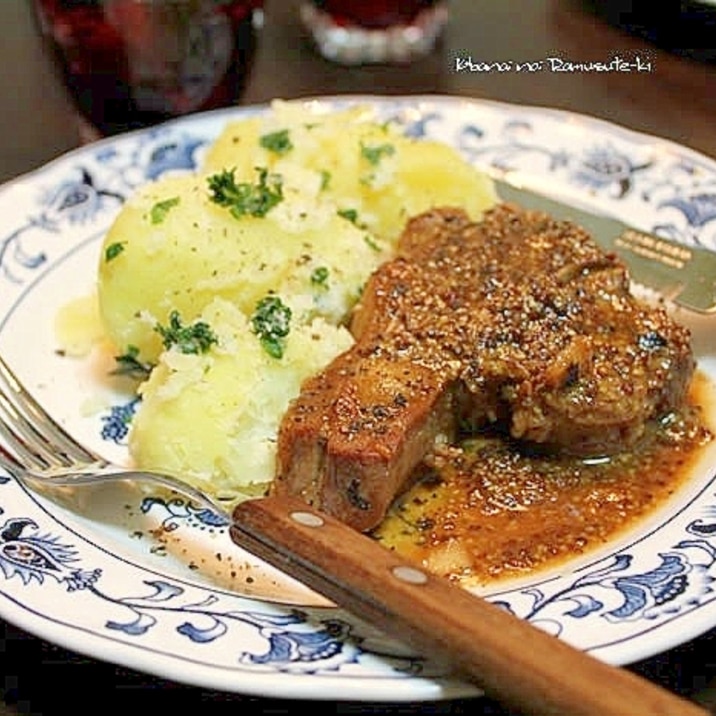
column 132, row 63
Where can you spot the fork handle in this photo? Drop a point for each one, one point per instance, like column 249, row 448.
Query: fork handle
column 511, row 660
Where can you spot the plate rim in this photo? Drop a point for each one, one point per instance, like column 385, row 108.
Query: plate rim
column 434, row 688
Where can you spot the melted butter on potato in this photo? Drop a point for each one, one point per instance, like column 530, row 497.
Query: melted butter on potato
column 78, row 326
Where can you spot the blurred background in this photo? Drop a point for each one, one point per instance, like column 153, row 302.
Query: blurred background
column 36, row 118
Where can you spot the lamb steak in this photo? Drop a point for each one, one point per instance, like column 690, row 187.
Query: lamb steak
column 518, row 320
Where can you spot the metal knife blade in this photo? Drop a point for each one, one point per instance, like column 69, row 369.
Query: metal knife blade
column 683, row 274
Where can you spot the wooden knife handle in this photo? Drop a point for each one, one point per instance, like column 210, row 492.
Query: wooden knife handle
column 512, row 661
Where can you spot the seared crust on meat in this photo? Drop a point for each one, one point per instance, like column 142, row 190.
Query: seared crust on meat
column 518, row 319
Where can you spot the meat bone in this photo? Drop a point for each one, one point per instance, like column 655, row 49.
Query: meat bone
column 511, row 660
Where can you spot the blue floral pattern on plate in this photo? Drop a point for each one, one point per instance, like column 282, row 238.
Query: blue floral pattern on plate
column 134, row 578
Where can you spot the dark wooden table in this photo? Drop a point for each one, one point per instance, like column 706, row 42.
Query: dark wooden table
column 675, row 100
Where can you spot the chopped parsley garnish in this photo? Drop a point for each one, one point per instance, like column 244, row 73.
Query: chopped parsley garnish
column 375, row 153
column 160, row 210
column 350, row 214
column 271, row 322
column 277, row 142
column 319, row 276
column 244, row 198
column 130, row 365
column 195, row 338
column 371, row 242
column 325, row 179
column 113, row 250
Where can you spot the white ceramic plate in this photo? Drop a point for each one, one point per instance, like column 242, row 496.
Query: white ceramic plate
column 190, row 606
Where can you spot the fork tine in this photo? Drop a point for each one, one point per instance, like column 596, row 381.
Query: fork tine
column 31, row 432
column 9, row 462
column 17, row 444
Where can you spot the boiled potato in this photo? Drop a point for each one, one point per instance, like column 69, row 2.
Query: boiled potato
column 238, row 149
column 422, row 175
column 213, row 417
column 172, row 249
column 363, row 166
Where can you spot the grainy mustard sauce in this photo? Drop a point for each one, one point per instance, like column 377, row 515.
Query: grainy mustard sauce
column 489, row 509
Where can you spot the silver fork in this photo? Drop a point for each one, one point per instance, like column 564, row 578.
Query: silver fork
column 38, row 451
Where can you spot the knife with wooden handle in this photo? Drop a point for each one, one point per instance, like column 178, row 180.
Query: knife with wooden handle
column 683, row 274
column 511, row 660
